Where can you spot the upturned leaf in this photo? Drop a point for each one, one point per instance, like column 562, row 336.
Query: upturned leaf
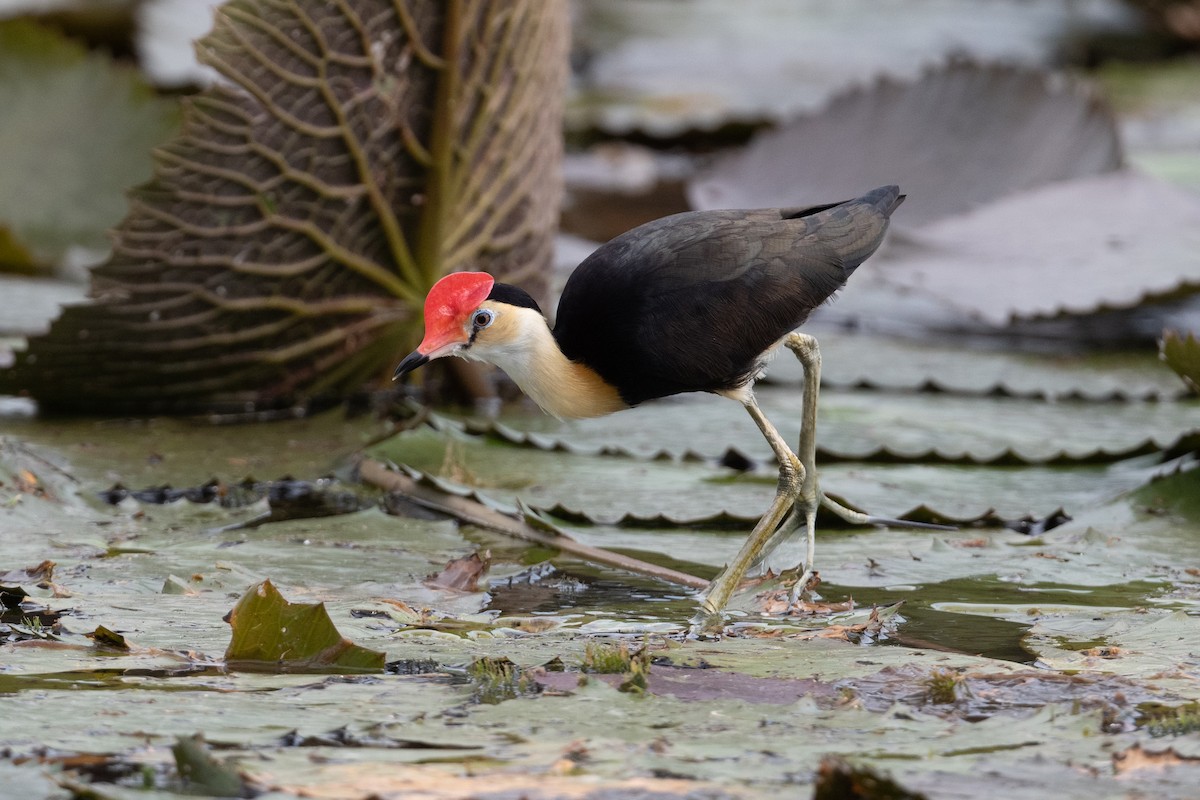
column 271, row 633
column 203, row 773
column 354, row 153
column 1182, row 354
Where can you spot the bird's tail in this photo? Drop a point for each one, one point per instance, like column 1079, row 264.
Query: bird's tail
column 853, row 229
column 885, row 199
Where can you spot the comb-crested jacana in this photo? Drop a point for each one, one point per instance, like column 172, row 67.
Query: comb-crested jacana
column 692, row 302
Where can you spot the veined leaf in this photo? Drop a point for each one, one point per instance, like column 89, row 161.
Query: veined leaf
column 957, row 138
column 356, row 151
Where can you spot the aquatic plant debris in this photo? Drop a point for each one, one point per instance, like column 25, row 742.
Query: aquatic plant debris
column 461, row 574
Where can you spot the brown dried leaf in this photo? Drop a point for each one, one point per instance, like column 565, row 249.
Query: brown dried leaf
column 779, row 602
column 40, row 573
column 354, row 154
column 461, row 574
column 28, row 483
column 1135, row 759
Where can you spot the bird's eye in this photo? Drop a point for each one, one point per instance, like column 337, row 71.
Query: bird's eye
column 483, row 317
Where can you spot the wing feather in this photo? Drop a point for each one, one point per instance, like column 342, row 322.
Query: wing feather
column 690, row 302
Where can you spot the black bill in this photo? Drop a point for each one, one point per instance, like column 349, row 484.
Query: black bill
column 410, row 362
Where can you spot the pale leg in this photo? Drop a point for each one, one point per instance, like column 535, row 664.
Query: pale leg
column 792, row 479
column 799, row 493
column 806, row 350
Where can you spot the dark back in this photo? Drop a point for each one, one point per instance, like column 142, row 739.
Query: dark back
column 690, row 302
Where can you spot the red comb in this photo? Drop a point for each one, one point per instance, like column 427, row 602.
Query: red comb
column 447, row 305
column 457, row 294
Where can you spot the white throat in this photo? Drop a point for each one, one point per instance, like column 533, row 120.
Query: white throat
column 520, row 342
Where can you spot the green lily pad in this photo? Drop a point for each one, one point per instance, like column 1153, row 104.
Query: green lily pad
column 859, row 426
column 608, row 490
column 890, row 363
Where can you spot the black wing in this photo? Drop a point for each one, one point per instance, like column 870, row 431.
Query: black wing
column 690, row 302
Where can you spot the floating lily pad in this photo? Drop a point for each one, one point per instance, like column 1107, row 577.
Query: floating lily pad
column 858, row 426
column 1078, row 240
column 663, row 69
column 613, row 490
column 891, row 363
column 566, row 441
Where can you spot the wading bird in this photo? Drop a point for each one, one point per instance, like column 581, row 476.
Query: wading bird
column 692, row 302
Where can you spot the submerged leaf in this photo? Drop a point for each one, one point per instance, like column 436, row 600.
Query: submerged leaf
column 353, row 155
column 271, row 633
column 1182, row 354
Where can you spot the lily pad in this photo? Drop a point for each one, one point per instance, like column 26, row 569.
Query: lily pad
column 892, row 363
column 859, row 426
column 997, row 131
column 349, row 158
column 663, row 492
column 1078, row 240
column 662, row 68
